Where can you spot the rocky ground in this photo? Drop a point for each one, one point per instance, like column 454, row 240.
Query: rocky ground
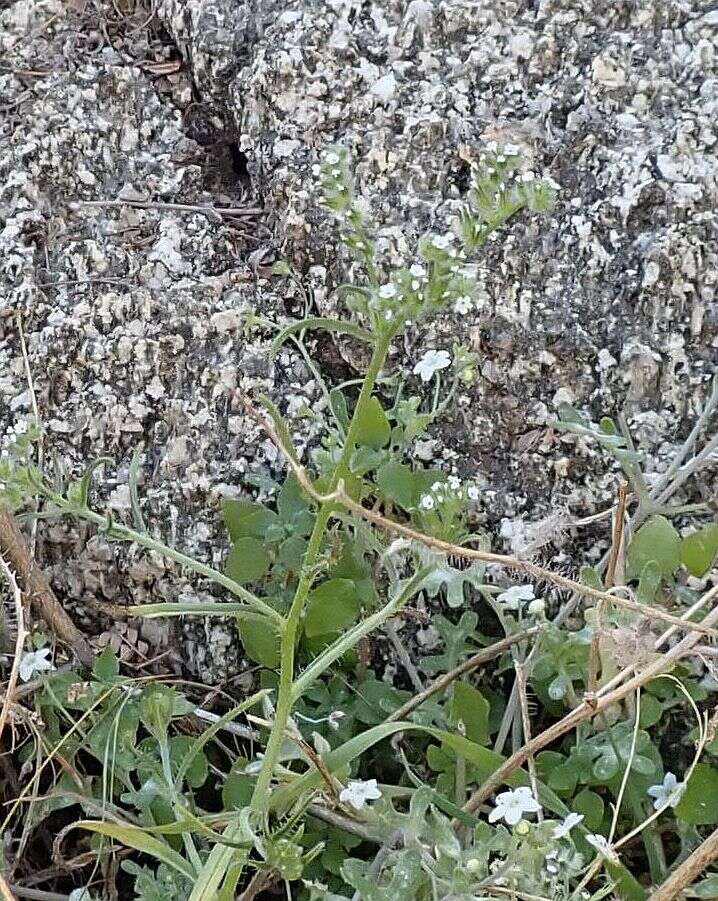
column 132, row 307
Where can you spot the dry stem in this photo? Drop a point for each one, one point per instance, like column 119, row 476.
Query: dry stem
column 19, row 642
column 689, row 870
column 525, row 567
column 443, row 682
column 37, row 588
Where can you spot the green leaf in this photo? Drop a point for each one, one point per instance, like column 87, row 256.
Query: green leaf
column 261, row 642
column 656, row 540
column 651, row 711
column 699, row 550
column 339, row 407
column 238, row 787
column 373, row 429
column 698, row 804
column 247, row 561
column 396, row 480
column 650, row 582
column 156, row 709
column 707, row 888
column 245, row 519
column 591, row 577
column 106, row 667
column 331, row 607
column 196, row 773
column 137, row 838
column 590, row 804
column 470, row 707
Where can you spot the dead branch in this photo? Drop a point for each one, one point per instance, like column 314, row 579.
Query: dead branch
column 525, row 567
column 37, row 588
column 689, row 870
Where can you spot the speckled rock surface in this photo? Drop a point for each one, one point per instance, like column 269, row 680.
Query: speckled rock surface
column 609, row 303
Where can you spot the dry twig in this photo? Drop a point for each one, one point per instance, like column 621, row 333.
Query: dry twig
column 689, row 870
column 525, row 567
column 37, row 588
column 443, row 682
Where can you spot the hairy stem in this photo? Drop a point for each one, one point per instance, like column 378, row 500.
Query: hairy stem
column 290, row 630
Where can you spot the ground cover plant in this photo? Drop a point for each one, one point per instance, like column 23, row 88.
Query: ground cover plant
column 558, row 743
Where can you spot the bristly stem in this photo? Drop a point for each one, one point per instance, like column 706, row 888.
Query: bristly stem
column 290, row 629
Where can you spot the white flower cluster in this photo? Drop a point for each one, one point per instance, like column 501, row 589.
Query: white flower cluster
column 451, row 491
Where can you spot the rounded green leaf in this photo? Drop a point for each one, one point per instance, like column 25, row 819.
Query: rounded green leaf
column 656, row 540
column 245, row 519
column 698, row 805
column 373, row 429
column 396, row 480
column 651, row 711
column 331, row 607
column 471, row 708
column 707, row 888
column 247, row 561
column 237, row 790
column 260, row 642
column 198, row 770
column 699, row 550
column 590, row 804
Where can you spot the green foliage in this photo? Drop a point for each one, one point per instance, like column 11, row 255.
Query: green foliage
column 311, row 583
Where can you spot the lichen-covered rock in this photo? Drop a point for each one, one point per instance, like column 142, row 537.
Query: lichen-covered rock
column 610, row 303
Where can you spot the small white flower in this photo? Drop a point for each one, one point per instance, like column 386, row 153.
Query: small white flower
column 415, row 285
column 417, row 270
column 357, row 793
column 316, row 170
column 387, row 290
column 512, row 597
column 34, row 662
column 427, row 502
column 473, row 493
column 431, row 362
column 528, row 177
column 511, row 805
column 437, row 486
column 334, row 719
column 389, row 315
column 537, row 607
column 463, row 304
column 443, row 242
column 454, row 483
column 602, row 846
column 667, row 793
column 563, row 829
column 331, row 158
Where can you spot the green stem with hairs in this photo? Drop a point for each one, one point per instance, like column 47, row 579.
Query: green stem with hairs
column 290, row 630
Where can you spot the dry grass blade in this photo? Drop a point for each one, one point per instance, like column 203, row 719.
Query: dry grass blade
column 19, row 642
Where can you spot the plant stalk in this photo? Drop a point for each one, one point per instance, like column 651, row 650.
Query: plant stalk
column 290, row 630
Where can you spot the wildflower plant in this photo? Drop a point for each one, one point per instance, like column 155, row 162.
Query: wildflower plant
column 354, row 535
